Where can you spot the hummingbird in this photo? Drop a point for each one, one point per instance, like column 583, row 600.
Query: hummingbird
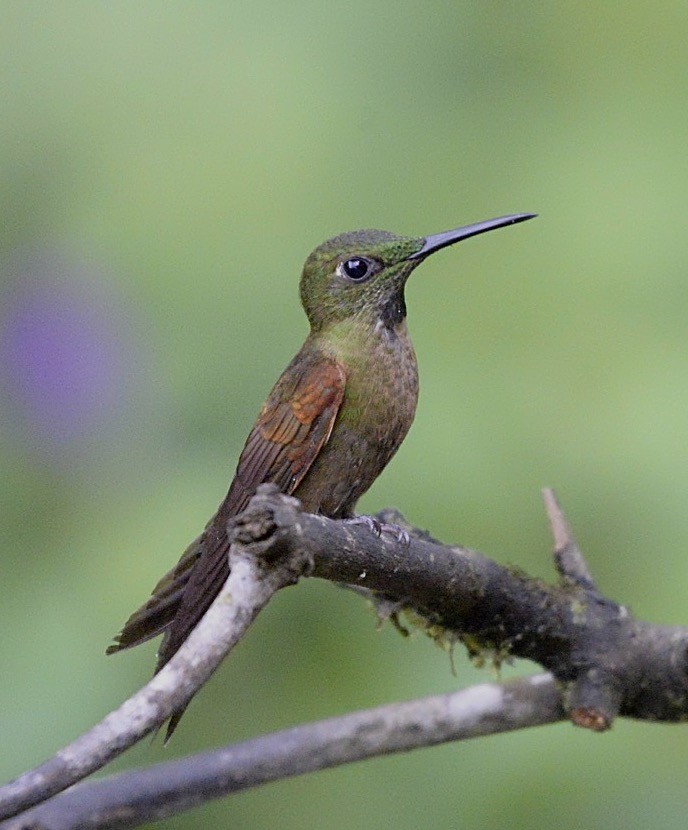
column 331, row 423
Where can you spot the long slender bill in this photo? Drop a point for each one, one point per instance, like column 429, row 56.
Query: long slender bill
column 442, row 240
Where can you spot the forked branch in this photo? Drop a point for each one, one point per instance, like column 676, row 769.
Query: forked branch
column 604, row 662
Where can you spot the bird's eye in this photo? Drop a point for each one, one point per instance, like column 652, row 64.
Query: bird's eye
column 356, row 268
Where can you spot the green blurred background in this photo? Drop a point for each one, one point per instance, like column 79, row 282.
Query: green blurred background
column 165, row 168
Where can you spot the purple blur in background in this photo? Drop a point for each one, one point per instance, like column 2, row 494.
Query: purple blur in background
column 71, row 358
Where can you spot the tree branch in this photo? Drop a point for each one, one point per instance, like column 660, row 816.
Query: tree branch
column 255, row 576
column 608, row 662
column 132, row 798
column 605, row 662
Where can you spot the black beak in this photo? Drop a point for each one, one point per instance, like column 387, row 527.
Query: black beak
column 442, row 240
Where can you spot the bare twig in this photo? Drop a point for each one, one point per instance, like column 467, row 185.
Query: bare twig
column 249, row 587
column 568, row 557
column 131, row 798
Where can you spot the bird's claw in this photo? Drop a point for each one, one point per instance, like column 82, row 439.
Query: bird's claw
column 368, row 522
column 378, row 528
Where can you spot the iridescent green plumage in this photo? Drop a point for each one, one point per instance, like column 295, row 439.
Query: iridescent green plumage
column 332, row 422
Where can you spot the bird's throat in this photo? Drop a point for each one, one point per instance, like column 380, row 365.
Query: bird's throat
column 393, row 311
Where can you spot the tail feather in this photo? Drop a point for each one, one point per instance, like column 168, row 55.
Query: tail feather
column 178, row 602
column 148, row 622
column 173, row 722
column 201, row 587
column 157, row 614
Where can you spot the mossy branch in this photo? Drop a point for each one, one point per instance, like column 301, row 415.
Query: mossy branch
column 603, row 662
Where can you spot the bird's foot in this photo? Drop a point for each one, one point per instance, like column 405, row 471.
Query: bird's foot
column 378, row 528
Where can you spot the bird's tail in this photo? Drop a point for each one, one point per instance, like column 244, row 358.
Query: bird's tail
column 156, row 615
column 177, row 603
